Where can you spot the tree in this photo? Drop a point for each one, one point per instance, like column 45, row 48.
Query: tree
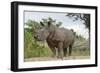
column 45, row 21
column 32, row 25
column 59, row 24
column 84, row 17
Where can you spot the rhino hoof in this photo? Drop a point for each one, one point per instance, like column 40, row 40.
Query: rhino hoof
column 59, row 57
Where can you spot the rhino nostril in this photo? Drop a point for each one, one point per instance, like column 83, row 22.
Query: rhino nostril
column 36, row 37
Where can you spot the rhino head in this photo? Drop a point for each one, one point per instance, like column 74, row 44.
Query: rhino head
column 43, row 33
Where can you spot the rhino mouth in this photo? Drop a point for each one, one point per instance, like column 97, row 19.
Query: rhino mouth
column 38, row 39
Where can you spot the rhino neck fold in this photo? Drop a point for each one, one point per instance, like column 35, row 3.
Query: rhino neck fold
column 51, row 34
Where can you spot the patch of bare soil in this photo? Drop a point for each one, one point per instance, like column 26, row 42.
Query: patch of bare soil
column 52, row 58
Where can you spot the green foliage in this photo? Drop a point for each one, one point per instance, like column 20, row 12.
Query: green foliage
column 32, row 48
column 45, row 21
column 31, row 25
column 80, row 38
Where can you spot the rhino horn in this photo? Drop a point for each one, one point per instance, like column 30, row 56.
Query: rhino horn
column 42, row 23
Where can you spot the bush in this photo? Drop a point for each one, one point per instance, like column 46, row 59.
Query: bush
column 33, row 48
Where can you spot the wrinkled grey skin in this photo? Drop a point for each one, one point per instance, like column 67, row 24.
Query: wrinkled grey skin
column 57, row 39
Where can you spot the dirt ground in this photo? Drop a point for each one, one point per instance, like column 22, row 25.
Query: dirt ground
column 52, row 58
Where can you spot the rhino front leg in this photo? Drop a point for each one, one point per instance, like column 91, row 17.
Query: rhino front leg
column 60, row 50
column 65, row 52
column 53, row 49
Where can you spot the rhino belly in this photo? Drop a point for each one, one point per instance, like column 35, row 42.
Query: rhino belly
column 68, row 42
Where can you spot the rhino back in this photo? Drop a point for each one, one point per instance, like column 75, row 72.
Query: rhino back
column 63, row 34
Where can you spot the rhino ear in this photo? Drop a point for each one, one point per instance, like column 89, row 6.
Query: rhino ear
column 49, row 23
column 42, row 23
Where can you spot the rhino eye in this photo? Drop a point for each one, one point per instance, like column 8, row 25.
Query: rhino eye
column 35, row 36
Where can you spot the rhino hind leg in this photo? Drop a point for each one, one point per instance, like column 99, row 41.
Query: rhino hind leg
column 65, row 52
column 70, row 50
